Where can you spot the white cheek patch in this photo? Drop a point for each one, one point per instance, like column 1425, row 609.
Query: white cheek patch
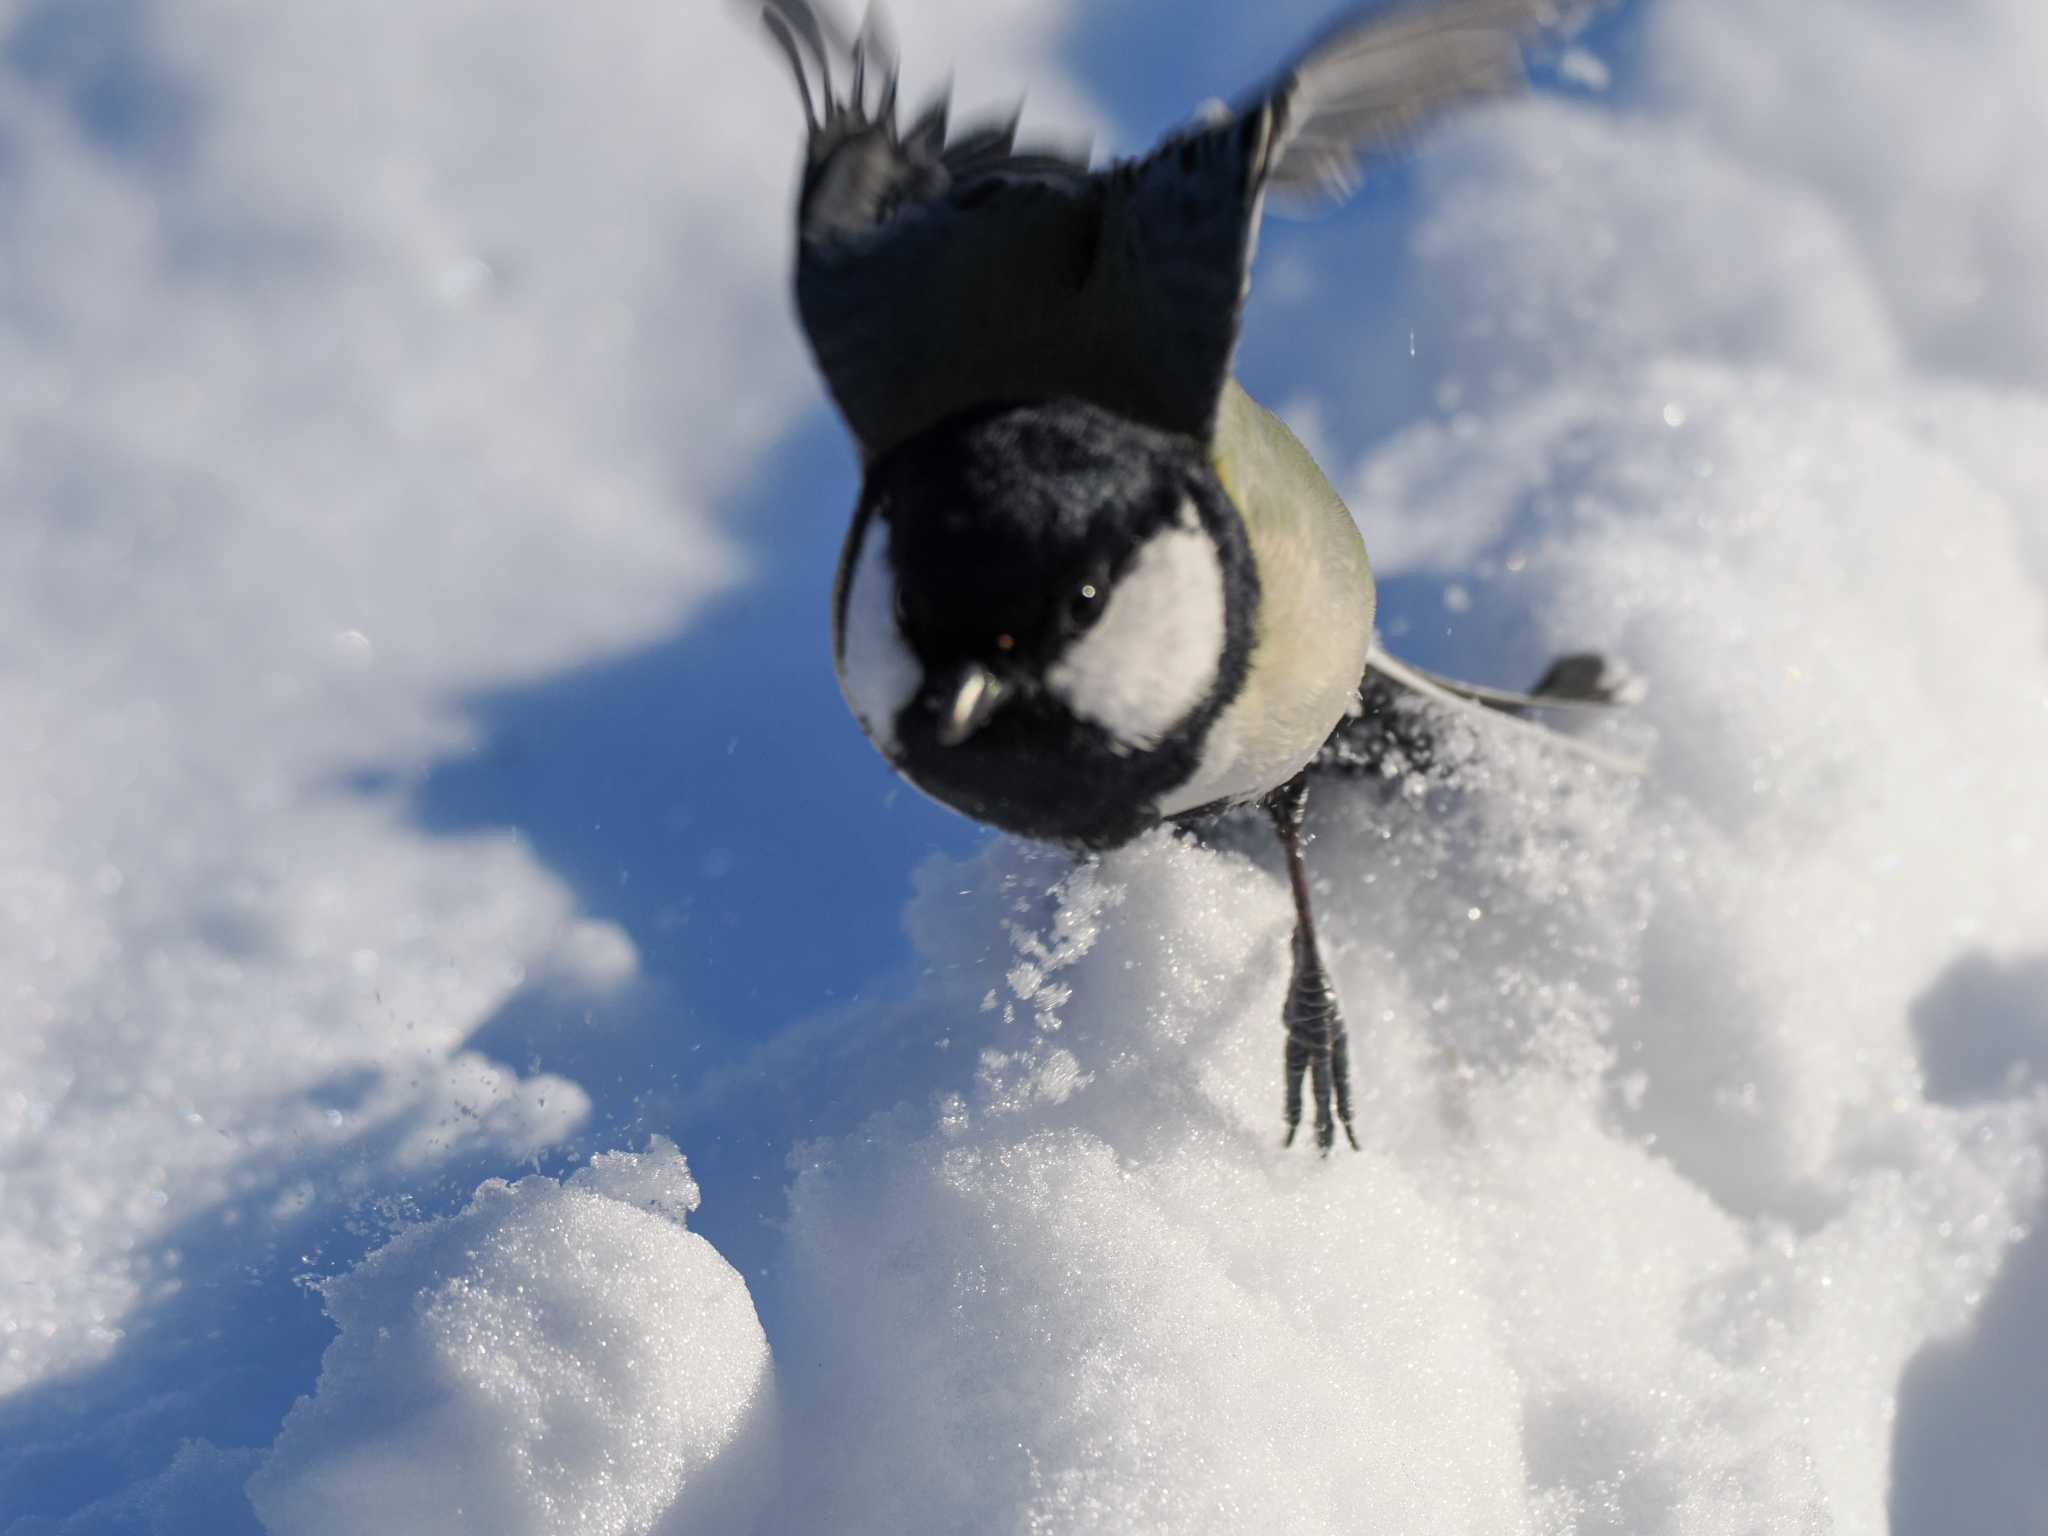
column 1154, row 654
column 878, row 674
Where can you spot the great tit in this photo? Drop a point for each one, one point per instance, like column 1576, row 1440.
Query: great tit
column 1090, row 584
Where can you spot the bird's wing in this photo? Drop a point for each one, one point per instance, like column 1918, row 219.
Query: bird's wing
column 1382, row 73
column 1582, row 682
column 1508, row 710
column 937, row 272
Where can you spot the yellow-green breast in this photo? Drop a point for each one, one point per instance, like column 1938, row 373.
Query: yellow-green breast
column 1314, row 628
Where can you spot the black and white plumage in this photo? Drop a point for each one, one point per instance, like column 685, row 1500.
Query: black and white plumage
column 1090, row 584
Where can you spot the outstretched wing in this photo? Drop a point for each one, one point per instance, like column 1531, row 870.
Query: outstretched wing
column 936, row 273
column 1398, row 727
column 1381, row 74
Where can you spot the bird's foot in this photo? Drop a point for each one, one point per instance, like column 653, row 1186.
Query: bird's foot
column 1318, row 1051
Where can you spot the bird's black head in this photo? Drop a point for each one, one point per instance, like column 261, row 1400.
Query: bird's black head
column 1041, row 610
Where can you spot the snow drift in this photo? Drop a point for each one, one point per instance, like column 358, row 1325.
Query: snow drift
column 558, row 1357
column 1701, row 1113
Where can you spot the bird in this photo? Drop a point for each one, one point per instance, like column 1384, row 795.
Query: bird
column 1090, row 586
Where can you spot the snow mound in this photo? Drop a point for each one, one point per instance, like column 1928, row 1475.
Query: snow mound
column 1701, row 1113
column 1655, row 1205
column 1922, row 128
column 557, row 1357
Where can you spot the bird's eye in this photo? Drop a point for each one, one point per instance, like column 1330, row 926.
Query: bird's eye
column 1086, row 604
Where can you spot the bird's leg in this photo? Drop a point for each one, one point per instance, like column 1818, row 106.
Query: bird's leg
column 1316, row 1044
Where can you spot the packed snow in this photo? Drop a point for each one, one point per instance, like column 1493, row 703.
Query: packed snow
column 558, row 1357
column 487, row 1047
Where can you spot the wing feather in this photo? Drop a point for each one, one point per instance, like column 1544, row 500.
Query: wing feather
column 939, row 270
column 1382, row 73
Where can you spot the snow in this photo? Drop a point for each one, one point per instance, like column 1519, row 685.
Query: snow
column 369, row 370
column 1916, row 134
column 558, row 1357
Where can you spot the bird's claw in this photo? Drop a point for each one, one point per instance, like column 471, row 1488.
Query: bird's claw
column 1318, row 1050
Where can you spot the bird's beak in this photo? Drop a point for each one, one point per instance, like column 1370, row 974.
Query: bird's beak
column 965, row 700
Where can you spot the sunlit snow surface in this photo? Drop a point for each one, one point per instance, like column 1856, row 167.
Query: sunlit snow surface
column 387, row 384
column 556, row 1357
